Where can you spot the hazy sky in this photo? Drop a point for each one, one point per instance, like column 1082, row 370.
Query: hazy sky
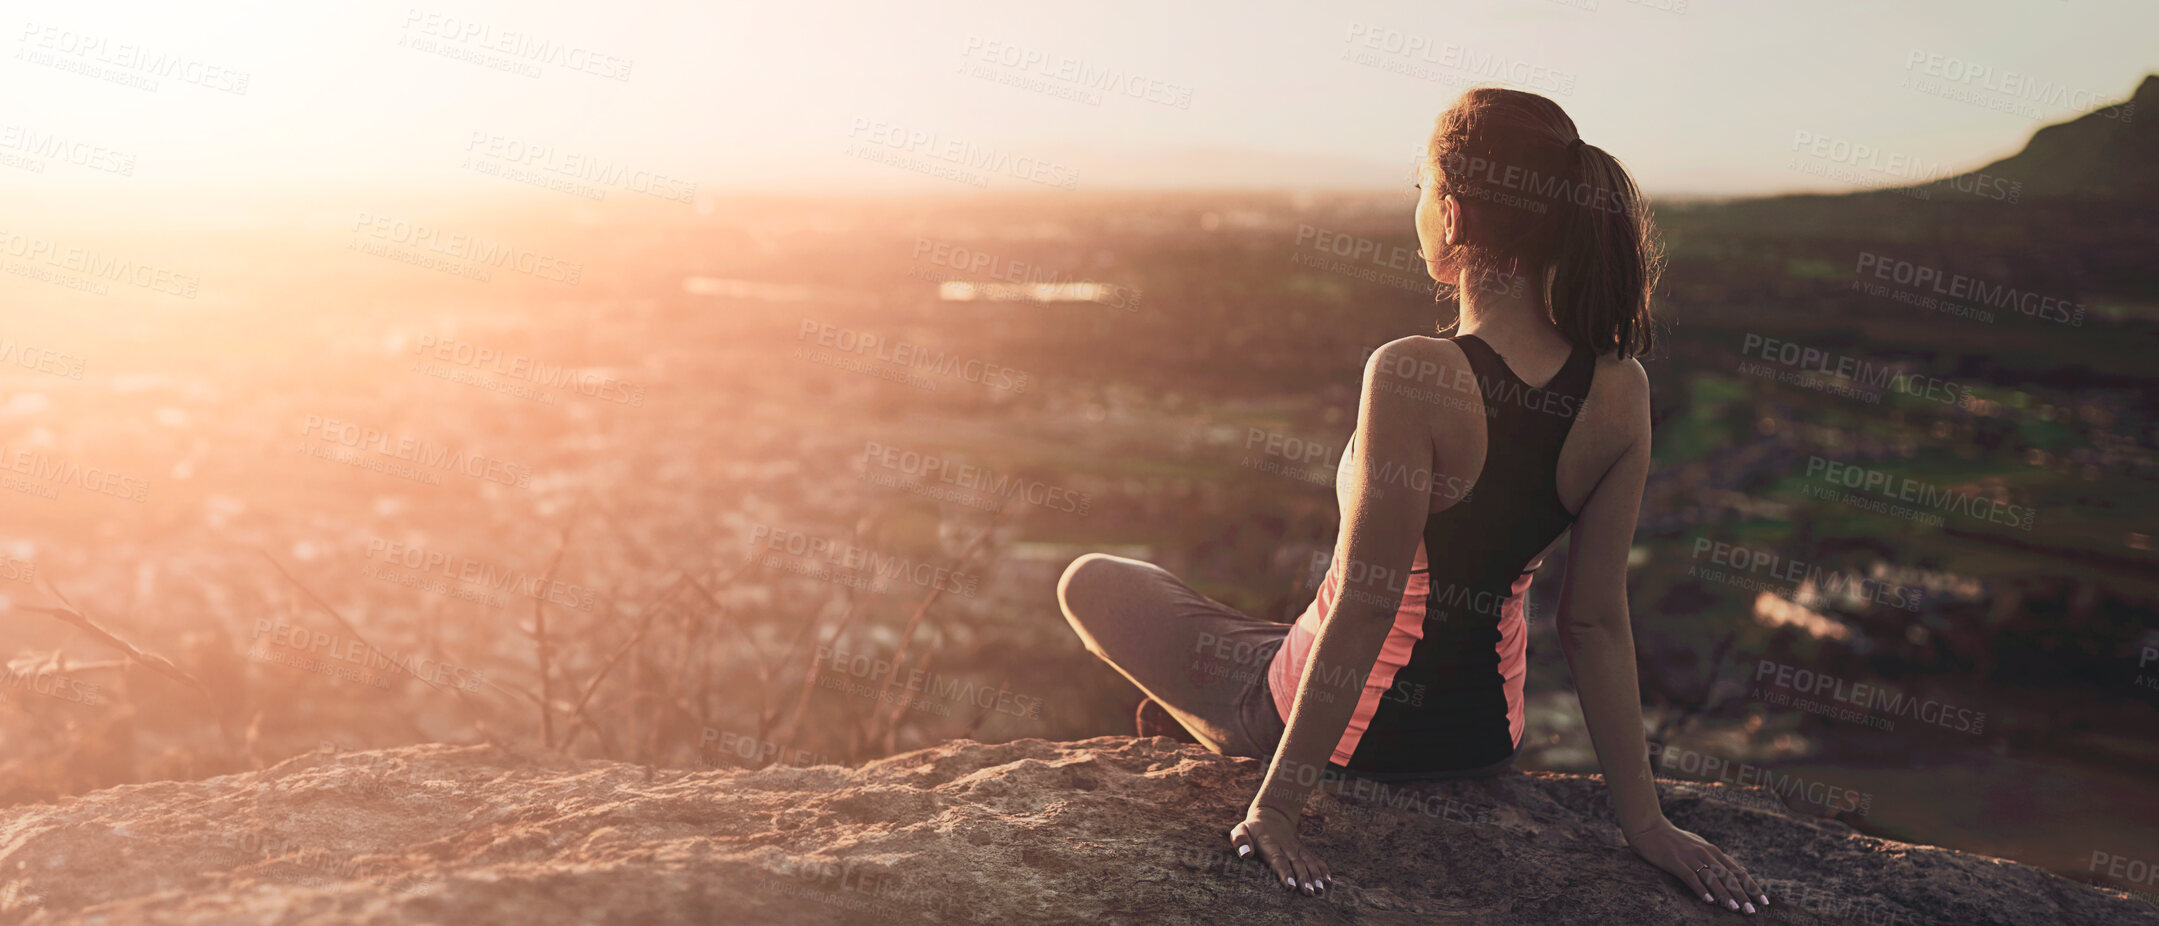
column 1701, row 96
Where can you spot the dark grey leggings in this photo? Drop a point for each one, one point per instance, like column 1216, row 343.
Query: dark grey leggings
column 1201, row 659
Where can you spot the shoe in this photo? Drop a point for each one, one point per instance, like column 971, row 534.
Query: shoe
column 1152, row 719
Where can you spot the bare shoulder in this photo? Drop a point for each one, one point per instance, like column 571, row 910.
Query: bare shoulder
column 1619, row 395
column 1419, row 385
column 1413, row 360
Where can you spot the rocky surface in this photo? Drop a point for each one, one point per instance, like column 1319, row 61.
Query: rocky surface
column 1108, row 830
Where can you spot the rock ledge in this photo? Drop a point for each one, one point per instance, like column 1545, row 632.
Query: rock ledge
column 1107, row 830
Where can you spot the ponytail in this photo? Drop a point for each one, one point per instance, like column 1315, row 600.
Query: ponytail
column 1538, row 198
column 1605, row 263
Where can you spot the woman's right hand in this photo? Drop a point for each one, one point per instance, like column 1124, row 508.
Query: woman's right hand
column 1703, row 867
column 1273, row 836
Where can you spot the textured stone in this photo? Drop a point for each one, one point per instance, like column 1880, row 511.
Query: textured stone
column 1107, row 830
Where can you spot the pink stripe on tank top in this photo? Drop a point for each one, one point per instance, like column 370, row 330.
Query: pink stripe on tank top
column 1287, row 669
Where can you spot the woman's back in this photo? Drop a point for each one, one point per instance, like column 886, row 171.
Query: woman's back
column 1510, row 469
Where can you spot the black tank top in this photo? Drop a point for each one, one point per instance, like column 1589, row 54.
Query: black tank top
column 1466, row 670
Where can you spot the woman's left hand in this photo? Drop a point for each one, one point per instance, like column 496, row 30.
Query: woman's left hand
column 1273, row 835
column 1704, row 868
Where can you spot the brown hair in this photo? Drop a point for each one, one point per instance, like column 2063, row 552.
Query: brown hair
column 1531, row 190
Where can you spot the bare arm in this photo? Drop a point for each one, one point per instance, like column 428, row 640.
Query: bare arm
column 1597, row 637
column 1594, row 626
column 1381, row 526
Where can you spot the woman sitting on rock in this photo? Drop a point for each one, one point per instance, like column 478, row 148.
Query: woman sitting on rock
column 1472, row 455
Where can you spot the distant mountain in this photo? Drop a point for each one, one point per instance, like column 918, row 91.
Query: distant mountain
column 2074, row 213
column 2111, row 152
